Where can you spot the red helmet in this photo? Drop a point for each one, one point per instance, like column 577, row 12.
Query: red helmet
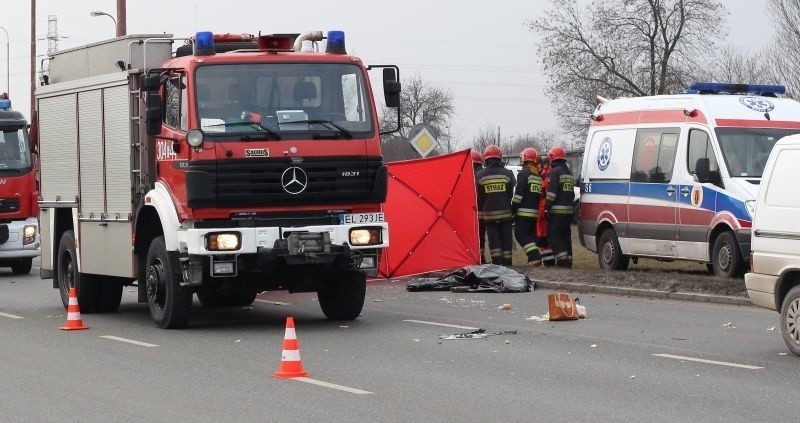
column 492, row 152
column 529, row 155
column 476, row 157
column 556, row 153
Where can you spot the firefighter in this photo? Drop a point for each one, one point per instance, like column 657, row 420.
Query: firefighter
column 525, row 205
column 548, row 259
column 477, row 166
column 560, row 196
column 495, row 187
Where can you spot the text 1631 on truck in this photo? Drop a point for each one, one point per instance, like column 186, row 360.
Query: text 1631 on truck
column 19, row 209
column 675, row 177
column 235, row 165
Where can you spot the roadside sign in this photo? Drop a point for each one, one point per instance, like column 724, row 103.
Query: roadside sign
column 424, row 142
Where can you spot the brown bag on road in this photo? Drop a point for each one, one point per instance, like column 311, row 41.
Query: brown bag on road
column 562, row 307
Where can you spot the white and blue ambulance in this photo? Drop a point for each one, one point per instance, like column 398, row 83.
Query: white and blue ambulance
column 675, row 177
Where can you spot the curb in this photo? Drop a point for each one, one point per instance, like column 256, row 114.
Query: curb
column 648, row 293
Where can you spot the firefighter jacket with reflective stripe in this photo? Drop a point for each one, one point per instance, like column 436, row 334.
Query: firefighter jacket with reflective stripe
column 560, row 189
column 495, row 188
column 525, row 201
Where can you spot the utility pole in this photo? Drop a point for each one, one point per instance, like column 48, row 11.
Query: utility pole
column 121, row 18
column 33, row 55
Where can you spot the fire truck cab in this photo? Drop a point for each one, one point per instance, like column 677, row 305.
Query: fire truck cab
column 19, row 207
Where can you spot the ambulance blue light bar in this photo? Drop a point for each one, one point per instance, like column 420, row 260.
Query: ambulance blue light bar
column 727, row 88
column 335, row 43
column 204, row 43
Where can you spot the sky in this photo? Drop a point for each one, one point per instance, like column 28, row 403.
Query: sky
column 481, row 50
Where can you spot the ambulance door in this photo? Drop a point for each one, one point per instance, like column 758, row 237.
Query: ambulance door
column 653, row 197
column 698, row 188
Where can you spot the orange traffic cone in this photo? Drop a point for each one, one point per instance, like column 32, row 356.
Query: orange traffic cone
column 74, row 321
column 291, row 366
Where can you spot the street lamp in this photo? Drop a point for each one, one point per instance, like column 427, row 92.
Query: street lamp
column 96, row 13
column 8, row 66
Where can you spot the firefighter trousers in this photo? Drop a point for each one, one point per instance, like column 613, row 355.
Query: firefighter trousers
column 500, row 241
column 482, row 238
column 524, row 232
column 559, row 235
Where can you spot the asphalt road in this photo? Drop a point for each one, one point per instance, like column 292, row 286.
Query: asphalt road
column 632, row 359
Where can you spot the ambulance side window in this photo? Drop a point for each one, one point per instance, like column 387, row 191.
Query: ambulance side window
column 654, row 155
column 700, row 148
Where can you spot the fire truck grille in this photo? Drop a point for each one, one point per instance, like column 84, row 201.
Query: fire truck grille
column 9, row 205
column 276, row 181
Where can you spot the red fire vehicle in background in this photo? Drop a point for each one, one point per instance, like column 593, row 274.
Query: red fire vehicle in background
column 19, row 209
column 235, row 164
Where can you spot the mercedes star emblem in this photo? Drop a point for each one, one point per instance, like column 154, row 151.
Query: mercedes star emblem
column 294, row 180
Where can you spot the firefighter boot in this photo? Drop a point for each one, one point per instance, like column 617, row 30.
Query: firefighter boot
column 534, row 258
column 565, row 262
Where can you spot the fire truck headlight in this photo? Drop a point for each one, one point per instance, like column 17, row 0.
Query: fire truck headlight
column 194, row 138
column 365, row 236
column 223, row 241
column 28, row 234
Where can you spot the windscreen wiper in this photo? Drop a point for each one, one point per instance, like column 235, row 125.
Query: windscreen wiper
column 347, row 134
column 250, row 124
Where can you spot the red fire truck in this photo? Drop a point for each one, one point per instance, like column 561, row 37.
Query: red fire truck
column 19, row 209
column 233, row 165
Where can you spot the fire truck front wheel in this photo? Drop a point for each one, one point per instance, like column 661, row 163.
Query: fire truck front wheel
column 68, row 276
column 342, row 295
column 170, row 304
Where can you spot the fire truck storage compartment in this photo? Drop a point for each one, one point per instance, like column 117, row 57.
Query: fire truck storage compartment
column 85, row 142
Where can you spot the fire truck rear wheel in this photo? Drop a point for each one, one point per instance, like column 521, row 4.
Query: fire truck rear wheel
column 170, row 304
column 68, row 276
column 22, row 266
column 341, row 296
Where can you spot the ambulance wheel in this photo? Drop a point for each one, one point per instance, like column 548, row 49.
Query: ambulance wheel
column 22, row 266
column 170, row 304
column 790, row 320
column 68, row 276
column 341, row 297
column 609, row 253
column 726, row 257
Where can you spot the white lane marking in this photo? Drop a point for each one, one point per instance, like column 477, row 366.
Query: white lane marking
column 423, row 322
column 11, row 316
column 701, row 360
column 272, row 302
column 130, row 341
column 331, row 385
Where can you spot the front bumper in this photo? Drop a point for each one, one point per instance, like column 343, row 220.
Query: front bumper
column 14, row 247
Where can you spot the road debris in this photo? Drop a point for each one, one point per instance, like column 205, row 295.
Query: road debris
column 543, row 318
column 772, row 328
column 632, row 377
column 729, row 325
column 506, row 306
column 478, row 334
column 593, row 346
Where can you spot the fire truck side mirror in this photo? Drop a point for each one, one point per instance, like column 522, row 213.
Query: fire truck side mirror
column 150, row 82
column 391, row 87
column 154, row 114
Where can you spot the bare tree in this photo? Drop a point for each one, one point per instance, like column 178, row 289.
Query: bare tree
column 786, row 55
column 732, row 64
column 421, row 102
column 622, row 48
column 485, row 137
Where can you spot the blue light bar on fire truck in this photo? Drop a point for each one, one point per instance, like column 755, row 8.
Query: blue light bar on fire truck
column 5, row 104
column 204, row 43
column 335, row 43
column 727, row 88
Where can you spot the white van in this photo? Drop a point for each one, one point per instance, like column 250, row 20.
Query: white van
column 774, row 281
column 675, row 177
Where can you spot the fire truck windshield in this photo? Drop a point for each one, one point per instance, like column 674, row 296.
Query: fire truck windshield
column 285, row 100
column 14, row 154
column 746, row 149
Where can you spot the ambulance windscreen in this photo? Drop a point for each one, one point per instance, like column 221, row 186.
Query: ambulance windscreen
column 745, row 150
